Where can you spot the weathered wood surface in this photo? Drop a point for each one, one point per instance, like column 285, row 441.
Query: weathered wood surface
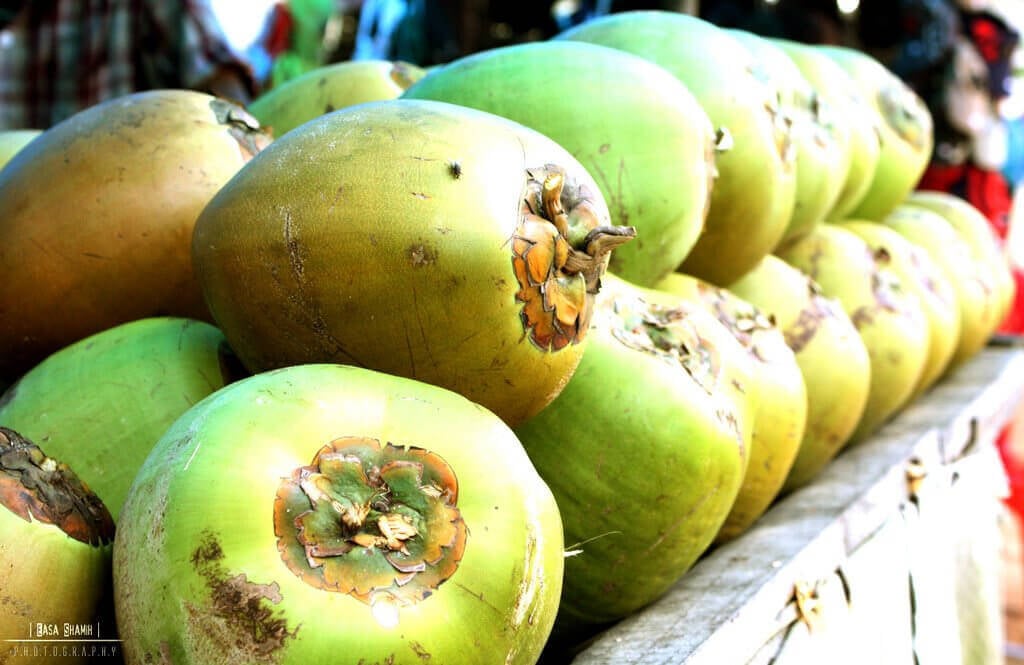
column 738, row 598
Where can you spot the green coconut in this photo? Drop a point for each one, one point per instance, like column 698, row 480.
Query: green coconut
column 754, row 194
column 976, row 294
column 780, row 412
column 417, row 238
column 329, row 88
column 110, row 241
column 822, row 150
column 846, row 111
column 321, row 513
column 832, row 358
column 905, row 130
column 888, row 318
column 643, row 136
column 101, row 404
column 924, row 280
column 974, row 229
column 645, row 449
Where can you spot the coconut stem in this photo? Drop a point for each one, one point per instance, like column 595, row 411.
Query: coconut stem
column 551, row 199
column 596, row 245
column 559, row 253
column 242, row 126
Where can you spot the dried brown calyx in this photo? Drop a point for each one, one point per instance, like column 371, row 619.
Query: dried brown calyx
column 818, row 309
column 559, row 253
column 886, row 288
column 742, row 319
column 38, row 488
column 781, row 116
column 825, row 125
column 665, row 333
column 242, row 126
column 719, row 141
column 375, row 522
column 404, row 75
column 884, row 282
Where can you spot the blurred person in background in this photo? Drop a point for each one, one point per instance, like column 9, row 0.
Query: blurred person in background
column 420, row 32
column 957, row 57
column 977, row 154
column 58, row 57
column 301, row 35
column 431, row 32
column 807, row 21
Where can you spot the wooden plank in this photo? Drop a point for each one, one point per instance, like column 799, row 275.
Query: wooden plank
column 879, row 629
column 737, row 598
column 933, row 571
column 973, row 521
column 827, row 641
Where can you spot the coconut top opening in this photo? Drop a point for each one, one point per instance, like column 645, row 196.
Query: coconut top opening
column 38, row 488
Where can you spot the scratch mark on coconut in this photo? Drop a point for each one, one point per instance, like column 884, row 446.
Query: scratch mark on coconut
column 421, row 255
column 330, row 345
column 479, row 596
column 682, row 519
column 408, row 348
column 606, row 188
column 525, row 606
column 420, row 651
column 614, row 195
column 185, row 325
column 620, row 198
column 423, row 328
column 46, row 249
column 728, row 420
column 239, row 620
column 338, row 194
column 295, row 260
column 470, row 336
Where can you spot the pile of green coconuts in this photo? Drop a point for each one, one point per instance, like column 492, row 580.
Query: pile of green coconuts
column 398, row 366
